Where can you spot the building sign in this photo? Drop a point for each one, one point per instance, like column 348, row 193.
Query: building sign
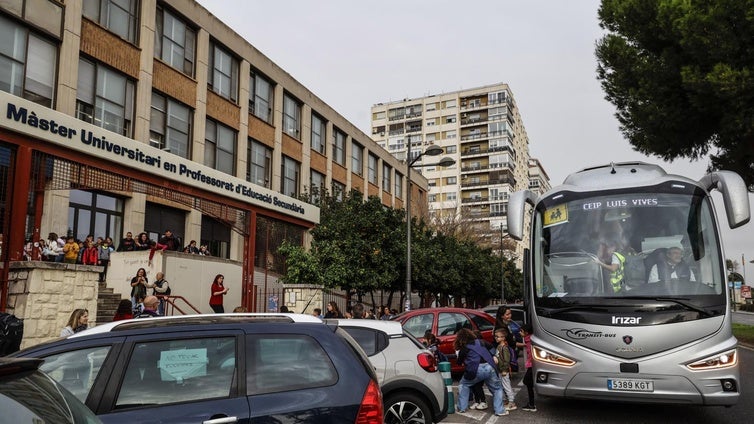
column 48, row 125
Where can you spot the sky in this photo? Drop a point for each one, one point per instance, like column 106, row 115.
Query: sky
column 353, row 54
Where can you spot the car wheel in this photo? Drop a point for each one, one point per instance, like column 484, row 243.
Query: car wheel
column 406, row 408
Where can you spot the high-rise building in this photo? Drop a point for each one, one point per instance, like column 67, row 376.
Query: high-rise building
column 482, row 129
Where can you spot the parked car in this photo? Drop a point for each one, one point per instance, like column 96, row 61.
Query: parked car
column 517, row 310
column 413, row 389
column 444, row 323
column 28, row 395
column 217, row 368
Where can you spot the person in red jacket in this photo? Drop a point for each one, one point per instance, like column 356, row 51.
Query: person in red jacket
column 218, row 291
column 90, row 255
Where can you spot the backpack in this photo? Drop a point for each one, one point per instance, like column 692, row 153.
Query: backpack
column 514, row 359
column 11, row 333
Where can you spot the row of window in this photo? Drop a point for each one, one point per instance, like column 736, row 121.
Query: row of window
column 105, row 97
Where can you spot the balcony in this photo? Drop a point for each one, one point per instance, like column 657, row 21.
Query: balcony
column 503, row 179
column 484, row 151
column 477, row 136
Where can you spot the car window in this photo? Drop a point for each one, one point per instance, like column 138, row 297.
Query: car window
column 76, row 370
column 481, row 323
column 34, row 398
column 449, row 323
column 283, row 362
column 170, row 371
column 418, row 324
column 371, row 341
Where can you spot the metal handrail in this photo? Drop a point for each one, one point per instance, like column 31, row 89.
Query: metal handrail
column 170, row 303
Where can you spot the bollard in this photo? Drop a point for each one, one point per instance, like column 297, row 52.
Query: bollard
column 444, row 368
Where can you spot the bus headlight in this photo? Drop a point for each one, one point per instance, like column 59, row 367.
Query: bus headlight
column 720, row 360
column 543, row 355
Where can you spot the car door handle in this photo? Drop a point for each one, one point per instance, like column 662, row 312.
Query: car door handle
column 223, row 420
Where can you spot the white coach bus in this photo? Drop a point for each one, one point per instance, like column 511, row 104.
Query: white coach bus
column 626, row 285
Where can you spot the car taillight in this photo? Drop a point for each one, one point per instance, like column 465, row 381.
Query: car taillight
column 370, row 411
column 427, row 361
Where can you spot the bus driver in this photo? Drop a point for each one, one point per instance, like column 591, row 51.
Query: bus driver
column 672, row 268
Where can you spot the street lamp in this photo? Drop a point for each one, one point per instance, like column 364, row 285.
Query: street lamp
column 432, row 150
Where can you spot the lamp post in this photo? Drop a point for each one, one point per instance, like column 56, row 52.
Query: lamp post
column 446, row 161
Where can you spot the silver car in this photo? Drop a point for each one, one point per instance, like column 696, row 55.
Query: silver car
column 413, row 389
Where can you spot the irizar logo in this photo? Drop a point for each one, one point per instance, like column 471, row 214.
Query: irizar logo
column 626, row 320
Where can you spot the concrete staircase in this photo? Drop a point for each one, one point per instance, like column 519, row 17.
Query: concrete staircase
column 107, row 303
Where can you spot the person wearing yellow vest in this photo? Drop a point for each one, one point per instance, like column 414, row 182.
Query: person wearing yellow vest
column 616, row 266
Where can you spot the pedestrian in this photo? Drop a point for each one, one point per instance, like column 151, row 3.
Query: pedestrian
column 70, row 250
column 332, row 310
column 90, row 256
column 433, row 345
column 357, row 311
column 127, row 244
column 317, row 312
column 104, row 251
column 477, row 390
column 125, row 310
column 217, row 292
column 526, row 331
column 139, row 288
column 150, row 307
column 142, row 242
column 55, row 248
column 191, row 248
column 160, row 288
column 614, row 261
column 479, row 365
column 78, row 321
column 504, row 319
column 504, row 354
column 169, row 240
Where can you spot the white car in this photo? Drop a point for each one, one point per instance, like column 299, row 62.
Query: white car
column 413, row 389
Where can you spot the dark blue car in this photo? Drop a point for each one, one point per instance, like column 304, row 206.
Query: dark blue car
column 231, row 368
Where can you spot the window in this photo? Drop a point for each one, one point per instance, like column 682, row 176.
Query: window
column 76, row 370
column 451, row 180
column 119, row 16
column 223, row 73
column 432, row 198
column 104, row 98
column 318, row 134
column 450, row 104
column 398, row 185
column 291, row 116
column 372, row 169
column 259, row 158
column 28, row 64
column 339, row 147
column 450, row 119
column 95, row 213
column 289, row 176
column 451, row 149
column 170, row 125
column 317, row 185
column 216, row 236
column 357, row 158
column 418, row 324
column 451, row 196
column 431, row 106
column 260, row 98
column 174, row 41
column 300, row 355
column 378, row 115
column 220, row 147
column 386, row 171
column 450, row 323
column 338, row 190
column 179, row 370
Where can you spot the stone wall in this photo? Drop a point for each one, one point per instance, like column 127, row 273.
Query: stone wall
column 302, row 298
column 44, row 294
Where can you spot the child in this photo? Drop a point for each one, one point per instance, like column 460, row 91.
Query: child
column 504, row 354
column 433, row 345
column 526, row 331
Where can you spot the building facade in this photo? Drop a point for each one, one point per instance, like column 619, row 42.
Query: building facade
column 146, row 115
column 482, row 129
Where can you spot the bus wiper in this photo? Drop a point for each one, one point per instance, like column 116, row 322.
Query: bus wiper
column 582, row 307
column 678, row 301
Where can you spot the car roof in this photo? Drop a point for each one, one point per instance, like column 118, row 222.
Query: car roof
column 391, row 328
column 155, row 322
column 435, row 310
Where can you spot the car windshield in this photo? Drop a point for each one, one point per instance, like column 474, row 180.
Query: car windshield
column 657, row 243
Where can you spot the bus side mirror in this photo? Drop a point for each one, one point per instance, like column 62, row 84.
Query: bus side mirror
column 516, row 208
column 735, row 195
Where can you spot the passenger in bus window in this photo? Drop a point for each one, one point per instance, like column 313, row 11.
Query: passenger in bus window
column 671, row 268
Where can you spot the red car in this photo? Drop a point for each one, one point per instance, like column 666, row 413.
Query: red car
column 444, row 323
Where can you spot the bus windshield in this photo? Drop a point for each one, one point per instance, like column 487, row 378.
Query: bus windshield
column 655, row 243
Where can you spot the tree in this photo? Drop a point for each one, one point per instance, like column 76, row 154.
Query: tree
column 681, row 75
